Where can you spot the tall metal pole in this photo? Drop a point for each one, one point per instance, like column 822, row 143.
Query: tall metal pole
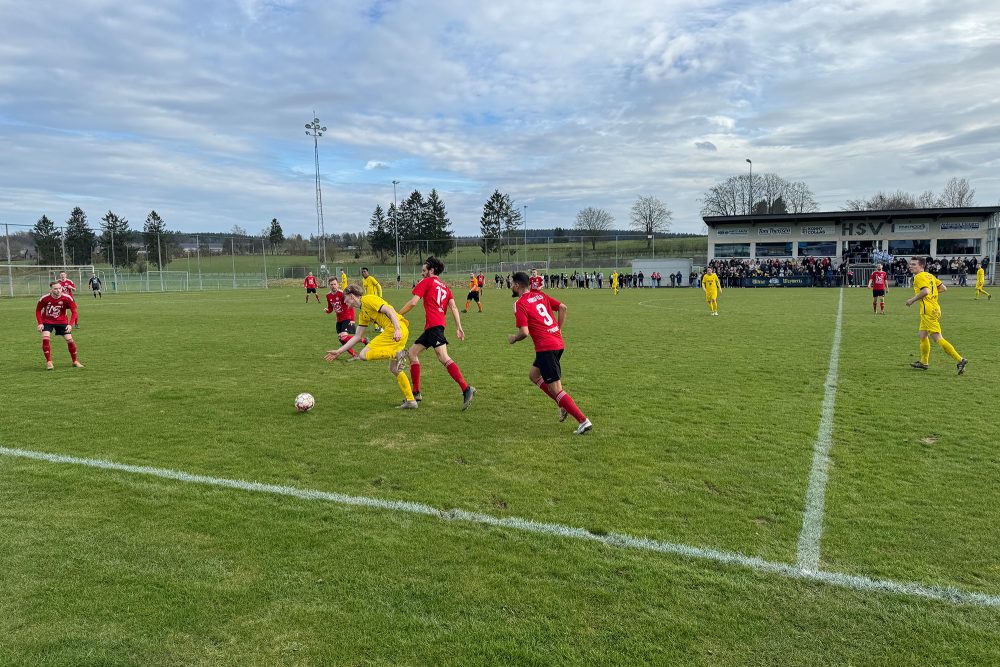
column 524, row 208
column 750, row 194
column 62, row 240
column 197, row 241
column 114, row 267
column 263, row 253
column 395, row 225
column 233, row 239
column 159, row 261
column 315, row 130
column 10, row 269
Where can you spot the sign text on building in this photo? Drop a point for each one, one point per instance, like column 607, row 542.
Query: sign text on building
column 774, row 231
column 817, row 230
column 731, row 231
column 959, row 226
column 909, row 227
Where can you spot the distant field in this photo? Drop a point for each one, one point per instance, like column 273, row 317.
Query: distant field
column 703, row 448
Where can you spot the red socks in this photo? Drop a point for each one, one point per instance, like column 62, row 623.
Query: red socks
column 883, row 306
column 344, row 337
column 544, row 387
column 565, row 401
column 47, row 349
column 415, row 376
column 72, row 349
column 456, row 375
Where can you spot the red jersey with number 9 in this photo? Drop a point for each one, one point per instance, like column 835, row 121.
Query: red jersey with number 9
column 435, row 295
column 538, row 312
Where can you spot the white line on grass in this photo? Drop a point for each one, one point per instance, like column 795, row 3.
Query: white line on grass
column 812, row 520
column 859, row 583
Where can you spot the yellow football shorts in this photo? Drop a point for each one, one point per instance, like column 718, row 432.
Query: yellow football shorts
column 930, row 321
column 711, row 295
column 384, row 347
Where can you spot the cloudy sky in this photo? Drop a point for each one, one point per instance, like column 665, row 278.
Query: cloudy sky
column 198, row 109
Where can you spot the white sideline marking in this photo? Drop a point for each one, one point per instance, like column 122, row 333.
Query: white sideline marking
column 860, row 583
column 807, row 557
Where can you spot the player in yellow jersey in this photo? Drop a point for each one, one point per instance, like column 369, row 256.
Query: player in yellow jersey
column 926, row 289
column 474, row 293
column 390, row 344
column 981, row 283
column 371, row 285
column 710, row 283
column 614, row 283
column 343, row 279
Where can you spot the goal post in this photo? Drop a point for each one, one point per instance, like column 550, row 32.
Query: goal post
column 34, row 279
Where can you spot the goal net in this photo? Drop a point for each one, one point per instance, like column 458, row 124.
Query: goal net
column 34, row 279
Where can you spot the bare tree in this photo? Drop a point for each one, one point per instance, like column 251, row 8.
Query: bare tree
column 649, row 216
column 799, row 198
column 957, row 194
column 770, row 194
column 883, row 201
column 594, row 221
column 927, row 199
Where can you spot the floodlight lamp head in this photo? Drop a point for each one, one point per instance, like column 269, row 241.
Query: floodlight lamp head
column 322, row 129
column 749, row 160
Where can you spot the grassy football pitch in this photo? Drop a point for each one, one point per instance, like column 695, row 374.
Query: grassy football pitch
column 668, row 535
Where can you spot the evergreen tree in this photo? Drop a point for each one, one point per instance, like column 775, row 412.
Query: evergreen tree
column 157, row 240
column 79, row 238
column 436, row 227
column 276, row 236
column 47, row 241
column 115, row 238
column 491, row 223
column 380, row 236
column 411, row 216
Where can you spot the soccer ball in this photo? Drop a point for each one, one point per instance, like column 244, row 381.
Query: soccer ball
column 304, row 402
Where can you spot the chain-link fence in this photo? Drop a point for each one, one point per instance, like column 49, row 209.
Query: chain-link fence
column 175, row 261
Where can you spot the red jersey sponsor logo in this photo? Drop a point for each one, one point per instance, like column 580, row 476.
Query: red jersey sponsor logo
column 537, row 311
column 335, row 304
column 51, row 310
column 878, row 280
column 435, row 295
column 310, row 282
column 536, row 283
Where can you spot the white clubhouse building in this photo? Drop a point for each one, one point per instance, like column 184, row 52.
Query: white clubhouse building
column 937, row 232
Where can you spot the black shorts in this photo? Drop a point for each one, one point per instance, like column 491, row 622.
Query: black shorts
column 431, row 338
column 548, row 363
column 59, row 329
column 473, row 296
column 878, row 292
column 310, row 290
column 346, row 326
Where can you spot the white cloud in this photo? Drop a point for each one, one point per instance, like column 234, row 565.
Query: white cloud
column 198, row 110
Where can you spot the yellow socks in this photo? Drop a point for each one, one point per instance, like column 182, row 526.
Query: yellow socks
column 949, row 348
column 404, row 386
column 925, row 350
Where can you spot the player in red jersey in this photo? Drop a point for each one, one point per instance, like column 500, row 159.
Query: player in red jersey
column 481, row 279
column 533, row 315
column 346, row 326
column 310, row 285
column 535, row 282
column 56, row 312
column 437, row 299
column 879, row 282
column 68, row 288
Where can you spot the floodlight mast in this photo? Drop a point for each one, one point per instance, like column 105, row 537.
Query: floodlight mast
column 395, row 226
column 316, row 130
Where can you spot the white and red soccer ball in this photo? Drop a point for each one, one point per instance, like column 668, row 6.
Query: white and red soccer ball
column 304, row 402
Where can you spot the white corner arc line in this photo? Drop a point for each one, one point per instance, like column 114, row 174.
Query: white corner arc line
column 807, row 556
column 948, row 594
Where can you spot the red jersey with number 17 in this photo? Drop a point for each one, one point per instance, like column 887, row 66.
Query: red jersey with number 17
column 435, row 295
column 878, row 280
column 335, row 303
column 537, row 311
